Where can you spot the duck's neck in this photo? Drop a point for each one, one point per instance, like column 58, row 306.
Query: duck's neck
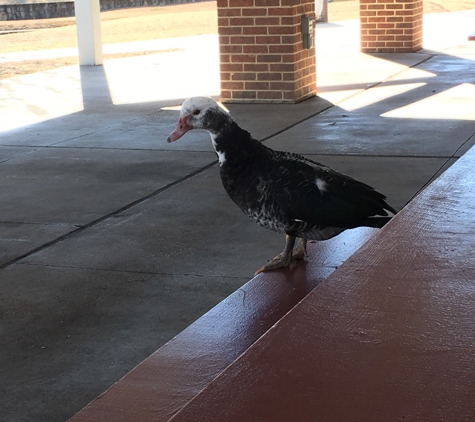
column 233, row 143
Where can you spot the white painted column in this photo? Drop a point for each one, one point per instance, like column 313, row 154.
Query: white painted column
column 88, row 27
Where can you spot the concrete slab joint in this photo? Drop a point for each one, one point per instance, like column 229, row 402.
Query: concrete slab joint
column 262, row 58
column 390, row 26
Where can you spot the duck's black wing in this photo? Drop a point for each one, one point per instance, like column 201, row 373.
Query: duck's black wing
column 313, row 193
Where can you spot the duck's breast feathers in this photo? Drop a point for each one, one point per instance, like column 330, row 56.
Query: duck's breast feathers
column 313, row 193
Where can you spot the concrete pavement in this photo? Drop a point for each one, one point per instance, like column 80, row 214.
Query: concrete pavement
column 112, row 240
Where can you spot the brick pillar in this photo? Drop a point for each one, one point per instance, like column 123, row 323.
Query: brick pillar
column 391, row 26
column 261, row 51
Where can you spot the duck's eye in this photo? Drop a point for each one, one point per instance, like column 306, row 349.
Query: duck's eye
column 196, row 112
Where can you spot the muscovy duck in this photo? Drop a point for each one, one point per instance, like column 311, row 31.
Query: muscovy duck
column 282, row 191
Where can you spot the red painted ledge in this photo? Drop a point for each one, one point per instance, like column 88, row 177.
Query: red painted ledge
column 159, row 387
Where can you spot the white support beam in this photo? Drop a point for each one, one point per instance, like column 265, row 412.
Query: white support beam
column 88, row 27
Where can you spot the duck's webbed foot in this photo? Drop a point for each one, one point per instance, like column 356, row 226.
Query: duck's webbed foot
column 288, row 256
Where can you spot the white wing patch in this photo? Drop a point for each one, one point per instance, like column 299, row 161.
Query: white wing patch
column 221, row 155
column 321, row 185
column 221, row 158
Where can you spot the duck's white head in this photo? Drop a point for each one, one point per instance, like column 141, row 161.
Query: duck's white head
column 199, row 113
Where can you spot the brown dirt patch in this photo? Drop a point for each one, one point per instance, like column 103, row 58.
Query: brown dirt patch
column 118, row 26
column 11, row 69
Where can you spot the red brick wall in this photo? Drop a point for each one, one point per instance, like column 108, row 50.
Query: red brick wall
column 391, row 26
column 261, row 52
